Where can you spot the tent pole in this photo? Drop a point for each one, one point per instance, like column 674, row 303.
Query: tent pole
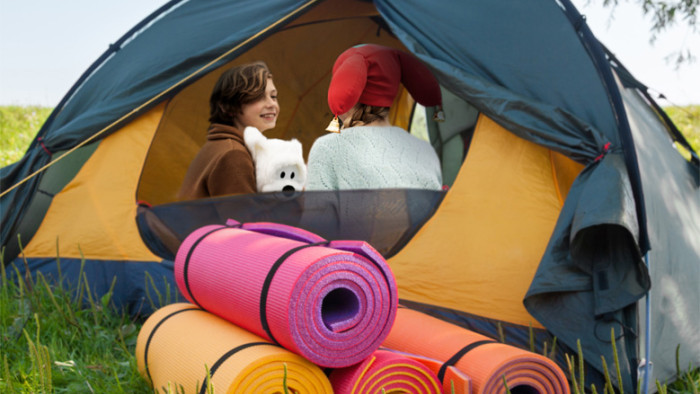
column 647, row 335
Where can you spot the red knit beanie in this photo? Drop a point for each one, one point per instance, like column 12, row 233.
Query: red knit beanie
column 370, row 74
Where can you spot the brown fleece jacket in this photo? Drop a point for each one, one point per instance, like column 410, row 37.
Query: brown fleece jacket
column 222, row 166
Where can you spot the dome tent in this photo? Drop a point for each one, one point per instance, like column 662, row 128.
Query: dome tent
column 565, row 178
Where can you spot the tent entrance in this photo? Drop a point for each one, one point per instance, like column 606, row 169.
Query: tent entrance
column 301, row 73
column 505, row 197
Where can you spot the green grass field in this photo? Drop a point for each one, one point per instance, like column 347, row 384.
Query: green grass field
column 51, row 343
column 18, row 126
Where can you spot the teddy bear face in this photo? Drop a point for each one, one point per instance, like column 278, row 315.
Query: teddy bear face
column 279, row 164
column 288, row 178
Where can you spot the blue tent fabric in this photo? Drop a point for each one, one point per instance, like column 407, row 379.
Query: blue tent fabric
column 499, row 68
column 139, row 288
column 484, row 40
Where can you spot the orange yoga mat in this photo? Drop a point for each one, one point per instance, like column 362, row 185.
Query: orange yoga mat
column 179, row 343
column 481, row 358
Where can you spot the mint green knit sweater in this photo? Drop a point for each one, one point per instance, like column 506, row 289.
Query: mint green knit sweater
column 371, row 157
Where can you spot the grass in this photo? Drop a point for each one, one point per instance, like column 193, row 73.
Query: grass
column 51, row 342
column 18, row 126
column 687, row 119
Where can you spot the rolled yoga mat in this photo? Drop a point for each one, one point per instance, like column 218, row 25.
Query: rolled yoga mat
column 180, row 345
column 455, row 381
column 331, row 302
column 481, row 358
column 385, row 372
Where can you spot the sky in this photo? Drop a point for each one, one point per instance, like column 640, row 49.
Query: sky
column 45, row 45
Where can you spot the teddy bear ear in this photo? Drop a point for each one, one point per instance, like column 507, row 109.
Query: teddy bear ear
column 253, row 139
column 251, row 135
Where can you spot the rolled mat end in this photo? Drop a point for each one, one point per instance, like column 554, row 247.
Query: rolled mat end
column 181, row 346
column 385, row 371
column 485, row 361
column 331, row 302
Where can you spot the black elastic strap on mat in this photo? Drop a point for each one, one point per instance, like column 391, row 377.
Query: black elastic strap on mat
column 185, row 274
column 225, row 357
column 148, row 342
column 268, row 281
column 458, row 356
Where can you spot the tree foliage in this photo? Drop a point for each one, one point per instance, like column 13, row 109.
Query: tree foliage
column 665, row 14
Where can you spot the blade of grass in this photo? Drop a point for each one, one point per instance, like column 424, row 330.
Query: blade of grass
column 7, row 376
column 501, row 333
column 505, row 384
column 580, row 364
column 91, row 301
column 552, row 353
column 617, row 360
column 606, row 374
column 572, row 373
column 68, row 317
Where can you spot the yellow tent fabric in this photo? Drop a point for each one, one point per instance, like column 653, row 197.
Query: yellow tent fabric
column 147, row 159
column 95, row 213
column 492, row 229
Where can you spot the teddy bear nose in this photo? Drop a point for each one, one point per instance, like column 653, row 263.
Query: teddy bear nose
column 288, row 190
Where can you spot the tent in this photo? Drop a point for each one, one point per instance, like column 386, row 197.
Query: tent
column 570, row 209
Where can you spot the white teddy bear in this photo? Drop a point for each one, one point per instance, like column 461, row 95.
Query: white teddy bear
column 279, row 164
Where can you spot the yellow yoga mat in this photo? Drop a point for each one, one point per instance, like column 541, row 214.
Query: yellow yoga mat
column 180, row 344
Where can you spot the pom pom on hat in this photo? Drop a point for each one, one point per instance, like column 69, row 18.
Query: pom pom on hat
column 370, row 74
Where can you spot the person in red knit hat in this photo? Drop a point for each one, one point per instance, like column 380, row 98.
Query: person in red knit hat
column 369, row 152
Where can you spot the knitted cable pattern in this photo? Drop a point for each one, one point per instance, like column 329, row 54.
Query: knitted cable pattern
column 370, row 157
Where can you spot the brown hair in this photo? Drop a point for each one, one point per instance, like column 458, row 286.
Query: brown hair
column 367, row 114
column 236, row 87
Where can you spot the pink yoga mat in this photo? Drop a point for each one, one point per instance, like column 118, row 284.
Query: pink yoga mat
column 387, row 372
column 330, row 302
column 454, row 381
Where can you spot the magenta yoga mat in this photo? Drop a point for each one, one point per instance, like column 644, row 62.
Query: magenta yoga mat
column 385, row 372
column 330, row 302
